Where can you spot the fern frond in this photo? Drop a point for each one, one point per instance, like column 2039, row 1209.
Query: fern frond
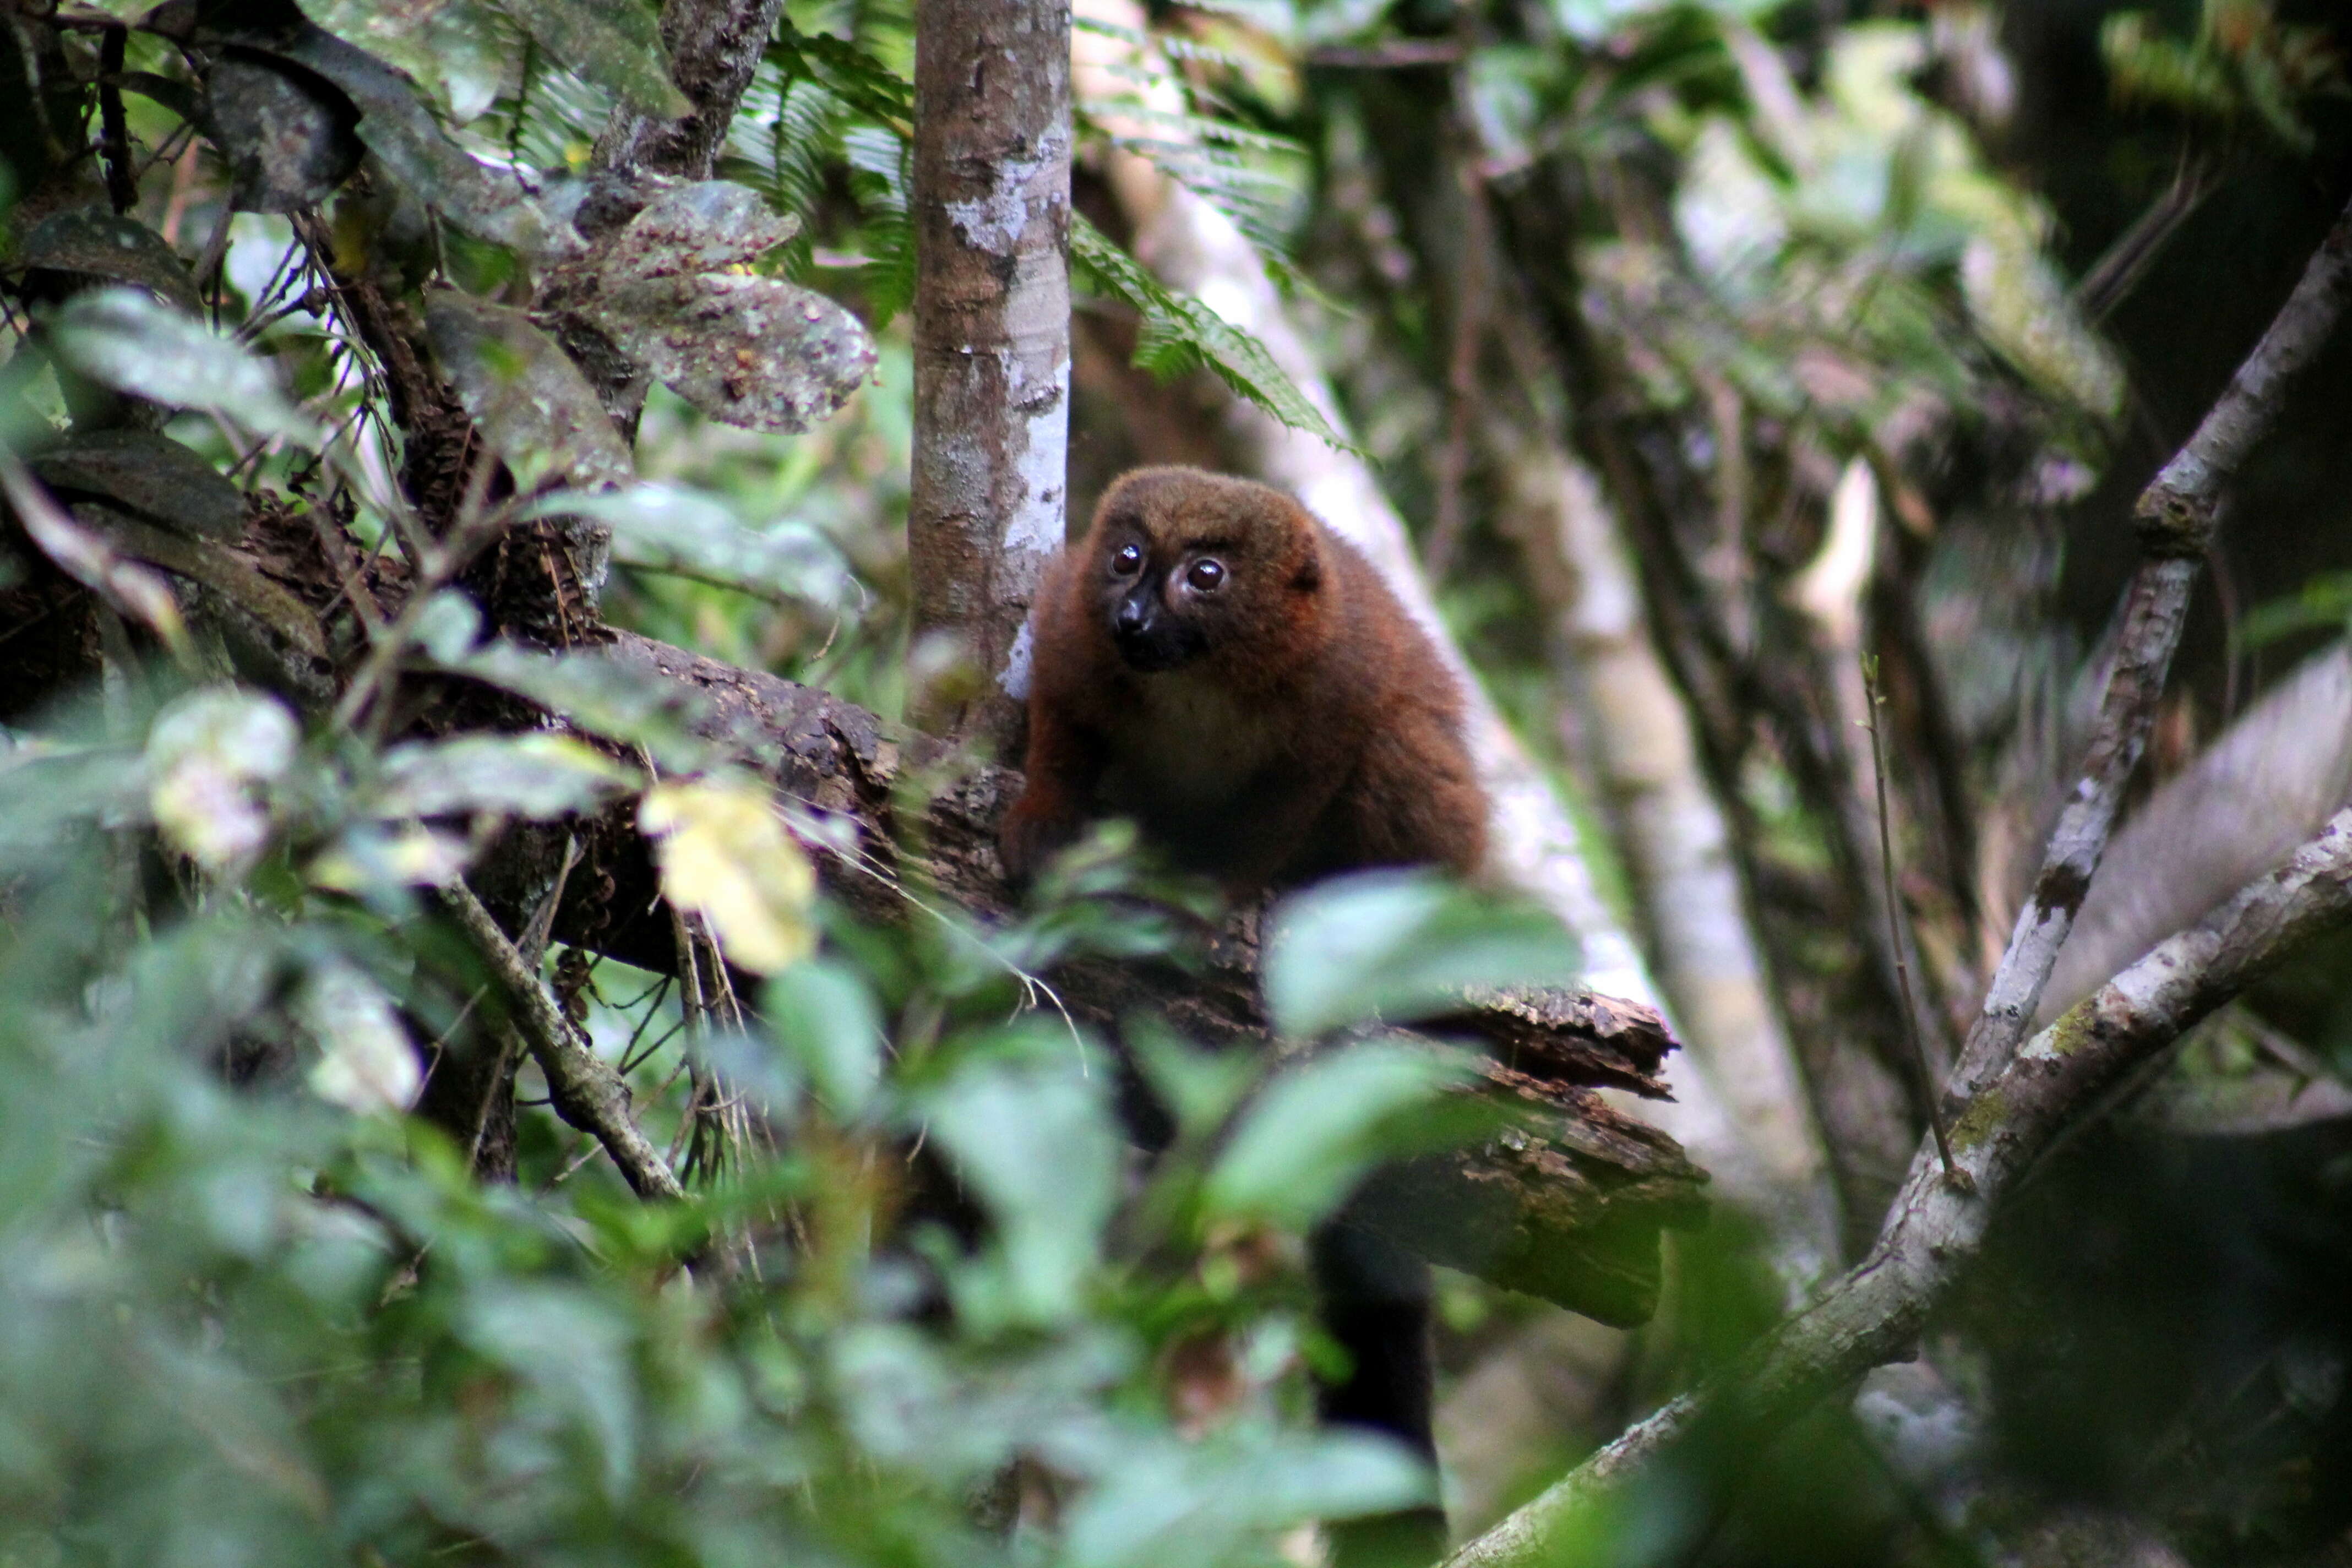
column 1179, row 334
column 864, row 83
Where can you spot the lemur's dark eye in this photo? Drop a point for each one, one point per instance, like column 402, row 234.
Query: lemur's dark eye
column 1205, row 575
column 1127, row 559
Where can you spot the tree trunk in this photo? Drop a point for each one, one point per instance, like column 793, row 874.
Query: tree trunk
column 992, row 212
column 1752, row 1128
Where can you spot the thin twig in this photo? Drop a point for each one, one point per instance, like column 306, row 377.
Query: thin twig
column 537, row 933
column 1403, row 55
column 280, row 277
column 1462, row 362
column 637, row 1059
column 2117, row 272
column 1894, row 921
column 183, row 183
column 509, row 1046
column 210, row 264
column 585, row 1090
column 334, row 546
column 309, row 299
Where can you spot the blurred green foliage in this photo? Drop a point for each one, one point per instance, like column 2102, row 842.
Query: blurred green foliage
column 253, row 1313
column 922, row 1302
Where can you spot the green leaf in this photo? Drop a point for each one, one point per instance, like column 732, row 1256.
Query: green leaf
column 869, row 86
column 150, row 475
column 571, row 1353
column 1179, row 334
column 691, row 534
column 1177, row 1504
column 1199, row 1088
column 722, row 851
column 1306, row 1140
column 288, row 137
column 399, row 128
column 910, row 1401
column 376, row 860
column 771, row 1084
column 365, row 1062
column 707, row 226
column 537, row 410
column 889, row 275
column 131, row 341
column 456, row 48
column 759, row 353
column 448, row 627
column 537, row 776
column 1400, row 945
column 2324, row 601
column 90, row 242
column 616, row 44
column 825, row 1018
column 1038, row 1143
column 49, row 789
column 603, row 692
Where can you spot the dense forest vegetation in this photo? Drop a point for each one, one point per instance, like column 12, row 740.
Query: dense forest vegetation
column 515, row 1044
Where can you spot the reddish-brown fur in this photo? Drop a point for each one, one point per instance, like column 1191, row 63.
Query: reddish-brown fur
column 1310, row 727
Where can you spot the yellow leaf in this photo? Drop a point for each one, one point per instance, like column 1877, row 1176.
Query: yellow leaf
column 210, row 758
column 723, row 852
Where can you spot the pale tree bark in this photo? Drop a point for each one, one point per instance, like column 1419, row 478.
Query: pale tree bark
column 991, row 214
column 1755, row 1133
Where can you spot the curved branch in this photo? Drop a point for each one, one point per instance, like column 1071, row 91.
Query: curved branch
column 586, row 1089
column 1873, row 1314
column 2176, row 514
